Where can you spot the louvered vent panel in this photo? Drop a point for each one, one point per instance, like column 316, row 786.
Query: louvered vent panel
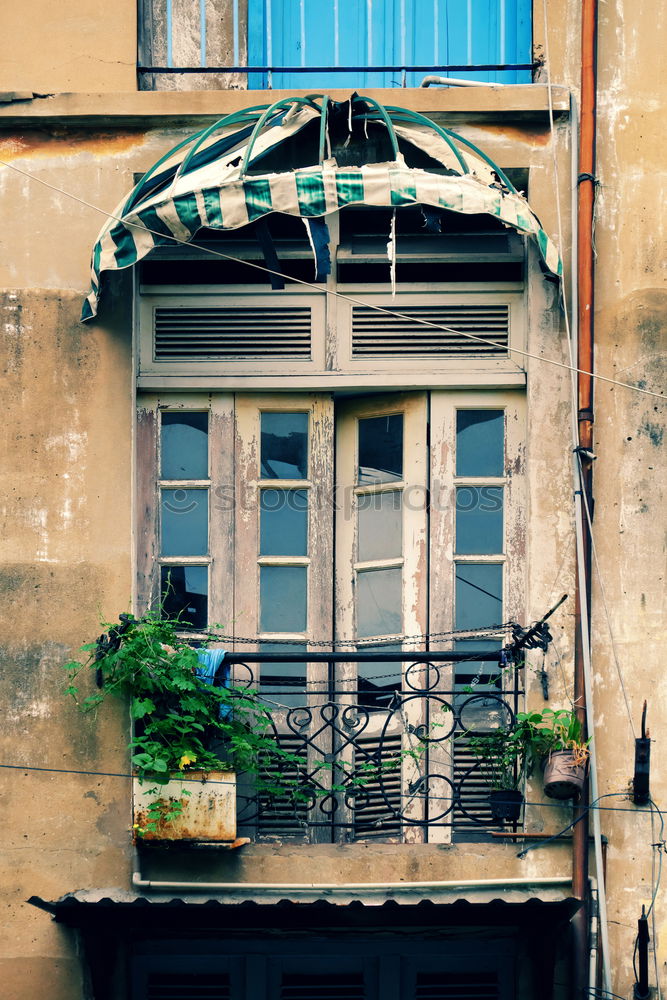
column 457, row 986
column 278, row 814
column 168, row 986
column 379, row 800
column 323, row 987
column 233, row 333
column 474, row 791
column 375, row 334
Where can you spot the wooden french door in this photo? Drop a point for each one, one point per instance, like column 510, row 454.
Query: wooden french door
column 296, row 521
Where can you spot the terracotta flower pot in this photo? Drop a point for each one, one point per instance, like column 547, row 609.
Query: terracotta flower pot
column 505, row 804
column 564, row 775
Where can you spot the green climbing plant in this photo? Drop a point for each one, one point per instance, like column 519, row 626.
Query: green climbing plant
column 181, row 723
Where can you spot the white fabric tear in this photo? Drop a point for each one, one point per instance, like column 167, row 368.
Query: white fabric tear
column 391, row 253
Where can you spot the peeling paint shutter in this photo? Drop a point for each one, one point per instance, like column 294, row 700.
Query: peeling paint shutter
column 379, row 800
column 474, row 813
column 375, row 334
column 278, row 814
column 233, row 333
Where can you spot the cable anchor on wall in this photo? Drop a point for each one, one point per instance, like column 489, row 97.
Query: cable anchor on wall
column 641, row 793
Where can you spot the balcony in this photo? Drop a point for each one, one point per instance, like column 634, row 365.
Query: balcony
column 375, row 758
column 292, row 44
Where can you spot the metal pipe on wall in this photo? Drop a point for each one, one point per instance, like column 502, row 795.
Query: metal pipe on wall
column 583, row 460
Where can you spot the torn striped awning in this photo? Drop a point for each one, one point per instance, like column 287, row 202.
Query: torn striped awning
column 208, row 186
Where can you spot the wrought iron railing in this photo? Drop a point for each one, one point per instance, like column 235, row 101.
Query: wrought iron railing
column 368, row 760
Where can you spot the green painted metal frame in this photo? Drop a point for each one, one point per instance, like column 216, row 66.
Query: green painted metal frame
column 487, row 159
column 413, row 116
column 152, row 170
column 238, row 117
column 198, row 138
column 261, row 113
column 382, row 112
column 323, row 125
column 285, row 102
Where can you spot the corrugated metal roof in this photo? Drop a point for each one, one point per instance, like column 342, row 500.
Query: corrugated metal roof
column 110, row 905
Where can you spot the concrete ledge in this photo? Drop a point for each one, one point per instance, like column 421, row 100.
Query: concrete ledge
column 142, row 108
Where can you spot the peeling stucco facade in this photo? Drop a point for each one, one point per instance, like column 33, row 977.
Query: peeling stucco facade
column 67, row 445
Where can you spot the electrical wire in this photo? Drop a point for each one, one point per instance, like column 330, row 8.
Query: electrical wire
column 561, row 670
column 329, row 291
column 658, row 846
column 215, row 781
column 603, row 594
column 570, row 826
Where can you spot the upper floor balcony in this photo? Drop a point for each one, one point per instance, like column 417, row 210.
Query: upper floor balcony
column 302, row 44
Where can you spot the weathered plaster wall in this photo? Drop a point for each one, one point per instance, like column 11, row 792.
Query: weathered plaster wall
column 65, row 524
column 52, row 47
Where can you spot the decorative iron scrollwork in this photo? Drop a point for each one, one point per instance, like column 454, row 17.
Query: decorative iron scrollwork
column 365, row 770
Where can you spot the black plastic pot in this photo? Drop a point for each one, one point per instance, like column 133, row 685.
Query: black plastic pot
column 505, row 804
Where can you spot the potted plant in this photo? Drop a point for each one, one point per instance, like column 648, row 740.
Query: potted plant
column 506, row 757
column 189, row 735
column 564, row 751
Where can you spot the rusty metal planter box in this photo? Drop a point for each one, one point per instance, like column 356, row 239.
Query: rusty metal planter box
column 209, row 810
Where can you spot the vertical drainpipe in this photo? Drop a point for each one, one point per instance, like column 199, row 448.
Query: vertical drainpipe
column 585, row 362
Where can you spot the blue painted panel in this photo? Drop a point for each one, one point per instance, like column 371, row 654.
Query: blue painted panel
column 386, row 32
column 257, row 43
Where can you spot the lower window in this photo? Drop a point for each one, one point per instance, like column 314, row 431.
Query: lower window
column 365, row 970
column 376, row 524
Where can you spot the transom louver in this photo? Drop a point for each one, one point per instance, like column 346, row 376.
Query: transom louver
column 233, row 333
column 376, row 334
column 265, row 331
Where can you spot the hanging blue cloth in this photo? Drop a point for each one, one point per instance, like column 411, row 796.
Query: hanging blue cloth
column 318, row 234
column 211, row 660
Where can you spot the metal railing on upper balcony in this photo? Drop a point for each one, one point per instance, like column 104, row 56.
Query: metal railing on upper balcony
column 286, row 44
column 379, row 742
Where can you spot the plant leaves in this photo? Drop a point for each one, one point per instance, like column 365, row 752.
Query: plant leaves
column 142, row 707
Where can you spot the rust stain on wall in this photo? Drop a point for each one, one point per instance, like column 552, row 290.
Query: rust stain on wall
column 527, row 135
column 63, row 142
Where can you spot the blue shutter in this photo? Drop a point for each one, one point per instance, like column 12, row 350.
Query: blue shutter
column 386, row 32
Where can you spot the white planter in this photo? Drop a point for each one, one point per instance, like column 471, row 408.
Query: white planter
column 208, row 814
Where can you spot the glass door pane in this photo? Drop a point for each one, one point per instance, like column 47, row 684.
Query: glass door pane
column 381, row 532
column 282, row 585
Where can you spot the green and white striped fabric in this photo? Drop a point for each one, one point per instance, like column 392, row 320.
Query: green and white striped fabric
column 218, row 196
